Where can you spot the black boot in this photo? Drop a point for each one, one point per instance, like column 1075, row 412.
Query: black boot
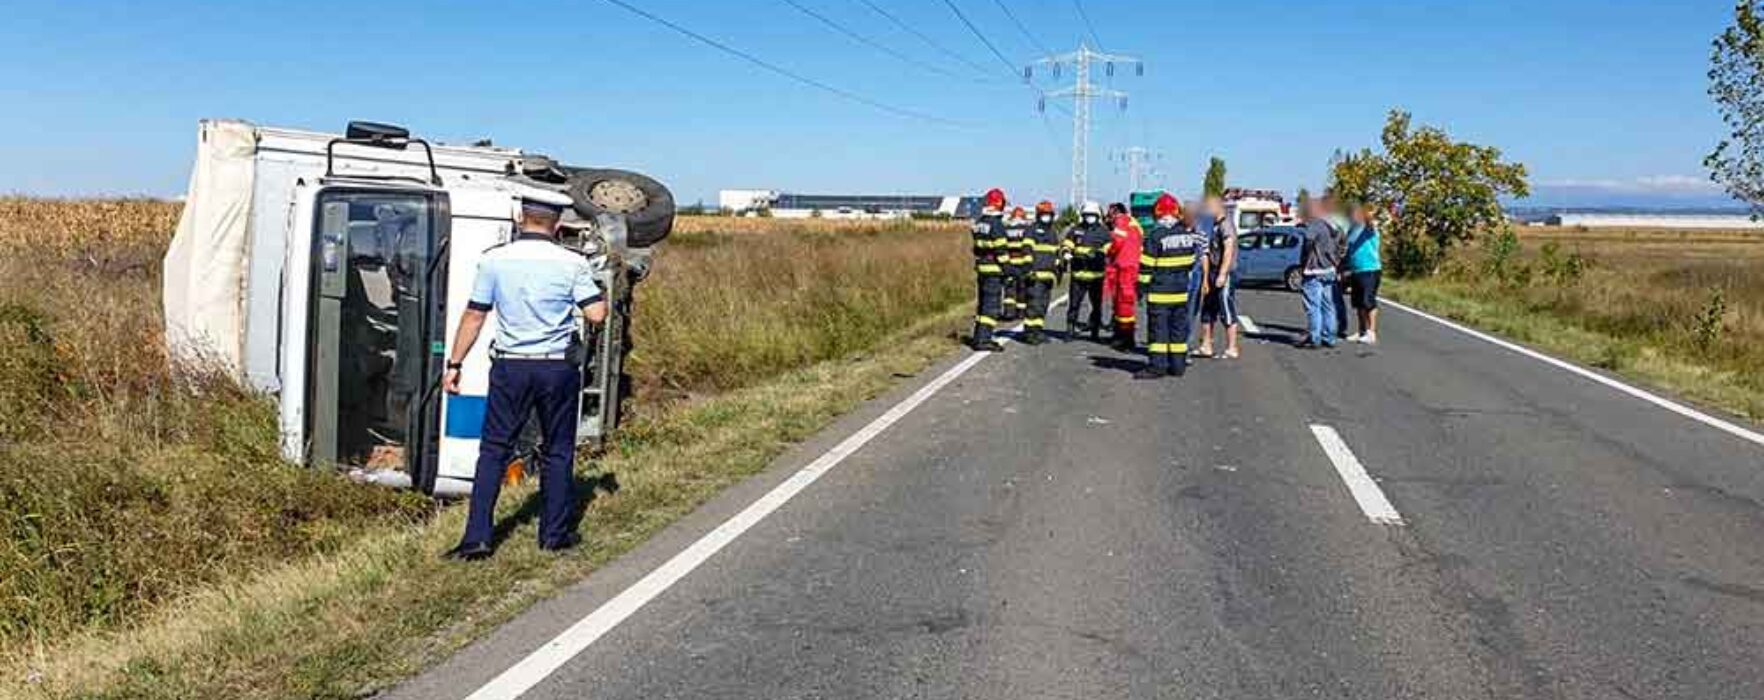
column 1149, row 372
column 1179, row 369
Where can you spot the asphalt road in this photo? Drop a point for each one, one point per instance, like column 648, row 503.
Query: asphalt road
column 1047, row 527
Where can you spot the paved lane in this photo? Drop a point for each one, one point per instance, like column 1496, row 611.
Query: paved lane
column 1046, row 527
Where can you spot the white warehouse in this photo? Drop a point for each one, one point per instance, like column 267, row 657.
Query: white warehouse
column 785, row 205
column 1679, row 221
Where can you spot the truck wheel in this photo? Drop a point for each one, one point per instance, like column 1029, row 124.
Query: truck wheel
column 648, row 206
column 1295, row 279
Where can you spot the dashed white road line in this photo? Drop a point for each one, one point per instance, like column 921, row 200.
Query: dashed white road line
column 1673, row 406
column 544, row 661
column 1249, row 324
column 1360, row 484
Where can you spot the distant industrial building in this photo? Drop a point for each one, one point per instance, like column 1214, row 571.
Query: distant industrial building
column 786, row 205
column 1653, row 220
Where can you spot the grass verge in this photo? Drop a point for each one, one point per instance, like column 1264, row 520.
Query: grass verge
column 1657, row 359
column 346, row 623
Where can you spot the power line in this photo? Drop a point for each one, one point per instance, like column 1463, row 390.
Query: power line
column 1036, row 43
column 854, row 36
column 922, row 37
column 1079, row 5
column 1011, row 67
column 762, row 63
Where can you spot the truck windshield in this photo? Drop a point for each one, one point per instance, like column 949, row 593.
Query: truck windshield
column 374, row 252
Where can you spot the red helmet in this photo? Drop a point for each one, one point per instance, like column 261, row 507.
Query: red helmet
column 995, row 198
column 1167, row 206
column 1045, row 207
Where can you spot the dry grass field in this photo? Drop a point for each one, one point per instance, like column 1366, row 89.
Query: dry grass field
column 154, row 545
column 1680, row 309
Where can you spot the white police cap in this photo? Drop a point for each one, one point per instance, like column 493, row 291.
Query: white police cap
column 542, row 199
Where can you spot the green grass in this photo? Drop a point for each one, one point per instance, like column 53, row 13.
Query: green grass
column 1656, row 357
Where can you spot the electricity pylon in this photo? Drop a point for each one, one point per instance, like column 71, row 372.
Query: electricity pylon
column 1082, row 92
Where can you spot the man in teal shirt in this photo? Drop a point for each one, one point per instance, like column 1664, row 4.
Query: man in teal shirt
column 1364, row 268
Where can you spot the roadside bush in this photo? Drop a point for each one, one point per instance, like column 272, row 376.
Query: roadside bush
column 1561, row 270
column 1707, row 328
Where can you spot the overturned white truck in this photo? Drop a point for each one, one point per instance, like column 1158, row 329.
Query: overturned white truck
column 331, row 271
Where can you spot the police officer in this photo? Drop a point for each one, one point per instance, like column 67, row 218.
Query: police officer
column 1086, row 250
column 1166, row 267
column 1043, row 243
column 1015, row 261
column 989, row 257
column 537, row 288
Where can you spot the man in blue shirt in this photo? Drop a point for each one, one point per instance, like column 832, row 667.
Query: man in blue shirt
column 537, row 288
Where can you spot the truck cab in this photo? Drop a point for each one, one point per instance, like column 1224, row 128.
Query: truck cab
column 350, row 296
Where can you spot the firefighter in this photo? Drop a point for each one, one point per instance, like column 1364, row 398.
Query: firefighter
column 1122, row 280
column 538, row 289
column 1085, row 247
column 1016, row 265
column 989, row 256
column 1044, row 253
column 1167, row 265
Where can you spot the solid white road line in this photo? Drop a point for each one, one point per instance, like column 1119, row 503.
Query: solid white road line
column 1249, row 324
column 1675, row 407
column 1360, row 484
column 540, row 664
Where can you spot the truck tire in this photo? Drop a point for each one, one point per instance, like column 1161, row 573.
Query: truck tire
column 648, row 206
column 1294, row 279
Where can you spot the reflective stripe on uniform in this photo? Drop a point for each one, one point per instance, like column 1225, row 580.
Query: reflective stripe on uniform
column 1035, row 322
column 1168, row 348
column 1086, row 275
column 1124, row 319
column 1046, row 248
column 1145, row 279
column 1043, row 275
column 1083, row 249
column 986, row 321
column 988, row 268
column 1167, row 261
column 1167, row 298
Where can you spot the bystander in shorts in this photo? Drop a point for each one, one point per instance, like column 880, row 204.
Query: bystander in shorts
column 1220, row 304
column 1364, row 288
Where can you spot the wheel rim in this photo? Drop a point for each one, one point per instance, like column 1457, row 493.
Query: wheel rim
column 617, row 196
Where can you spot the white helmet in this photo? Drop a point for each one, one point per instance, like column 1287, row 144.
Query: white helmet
column 1091, row 209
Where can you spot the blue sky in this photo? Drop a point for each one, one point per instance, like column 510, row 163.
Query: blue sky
column 1602, row 99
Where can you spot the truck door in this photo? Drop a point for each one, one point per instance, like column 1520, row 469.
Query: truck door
column 374, row 329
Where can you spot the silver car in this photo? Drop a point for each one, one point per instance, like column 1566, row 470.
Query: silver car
column 1271, row 256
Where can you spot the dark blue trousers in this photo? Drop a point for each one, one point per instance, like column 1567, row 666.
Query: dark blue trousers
column 518, row 388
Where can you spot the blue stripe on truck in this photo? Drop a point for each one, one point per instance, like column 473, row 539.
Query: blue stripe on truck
column 465, row 416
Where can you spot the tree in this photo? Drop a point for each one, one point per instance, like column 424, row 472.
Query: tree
column 1444, row 192
column 1304, row 199
column 1736, row 70
column 1215, row 181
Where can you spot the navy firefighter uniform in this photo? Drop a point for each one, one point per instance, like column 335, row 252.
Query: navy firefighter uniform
column 1043, row 242
column 990, row 254
column 1015, row 260
column 1167, row 261
column 1086, row 248
column 537, row 289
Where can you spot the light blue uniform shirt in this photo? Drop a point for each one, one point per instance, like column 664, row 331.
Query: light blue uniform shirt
column 535, row 287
